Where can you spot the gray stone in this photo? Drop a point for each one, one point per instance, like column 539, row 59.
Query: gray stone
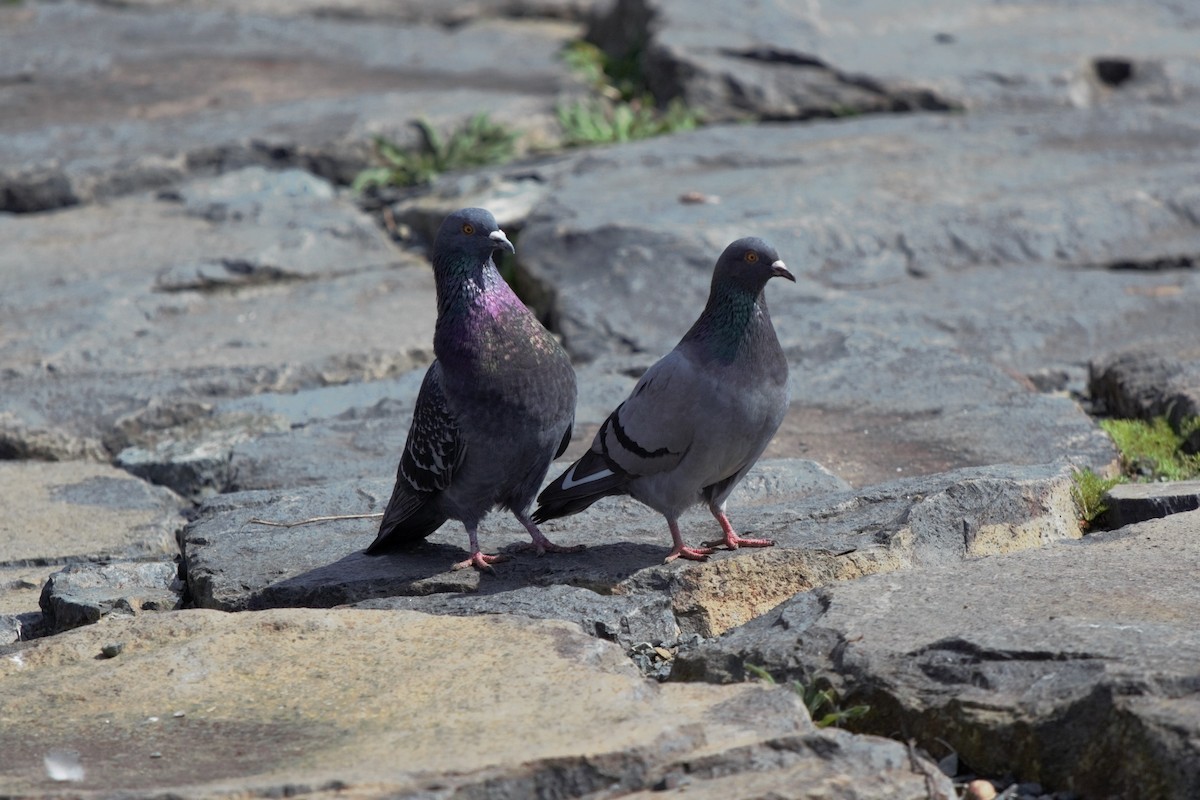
column 82, row 594
column 824, row 533
column 797, row 61
column 235, row 87
column 1136, row 502
column 63, row 512
column 145, row 357
column 412, row 11
column 1145, row 383
column 908, row 236
column 1075, row 665
column 628, row 620
column 402, row 704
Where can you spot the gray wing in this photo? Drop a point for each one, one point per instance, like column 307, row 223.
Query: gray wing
column 435, row 447
column 654, row 428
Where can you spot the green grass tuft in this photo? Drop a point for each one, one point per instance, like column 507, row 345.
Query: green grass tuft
column 478, row 143
column 1088, row 492
column 1153, row 450
column 600, row 120
column 822, row 704
column 622, row 109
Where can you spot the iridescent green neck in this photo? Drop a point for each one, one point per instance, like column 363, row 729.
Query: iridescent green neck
column 731, row 321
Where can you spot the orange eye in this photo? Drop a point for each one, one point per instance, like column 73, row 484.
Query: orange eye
column 751, row 256
column 468, row 228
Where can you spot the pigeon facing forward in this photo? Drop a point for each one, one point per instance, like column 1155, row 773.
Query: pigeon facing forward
column 699, row 418
column 496, row 406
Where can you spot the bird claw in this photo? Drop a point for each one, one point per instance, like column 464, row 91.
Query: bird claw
column 689, row 553
column 481, row 562
column 734, row 542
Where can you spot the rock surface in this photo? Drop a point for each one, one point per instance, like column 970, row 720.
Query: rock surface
column 534, row 708
column 75, row 511
column 83, row 593
column 1027, row 662
column 211, row 310
column 1137, row 502
column 822, row 533
column 799, row 60
column 187, row 89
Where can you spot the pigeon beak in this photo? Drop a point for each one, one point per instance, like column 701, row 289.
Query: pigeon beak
column 500, row 240
column 780, row 270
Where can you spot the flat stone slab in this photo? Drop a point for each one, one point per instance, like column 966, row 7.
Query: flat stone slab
column 796, row 61
column 395, row 703
column 891, row 221
column 81, row 594
column 82, row 120
column 1148, row 382
column 1136, row 502
column 59, row 512
column 129, row 335
column 1076, row 665
column 824, row 533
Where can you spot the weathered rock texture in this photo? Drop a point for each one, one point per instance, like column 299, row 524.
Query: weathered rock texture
column 188, row 700
column 74, row 511
column 101, row 102
column 1077, row 665
column 803, row 60
column 234, row 563
column 210, row 309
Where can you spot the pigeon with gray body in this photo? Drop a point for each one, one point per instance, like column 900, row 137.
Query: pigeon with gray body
column 496, row 406
column 699, row 418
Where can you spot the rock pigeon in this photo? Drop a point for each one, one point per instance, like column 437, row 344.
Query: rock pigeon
column 699, row 418
column 496, row 407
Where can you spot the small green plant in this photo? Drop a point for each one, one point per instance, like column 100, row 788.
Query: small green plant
column 1088, row 492
column 822, row 704
column 479, row 142
column 1153, row 449
column 600, row 120
column 623, row 108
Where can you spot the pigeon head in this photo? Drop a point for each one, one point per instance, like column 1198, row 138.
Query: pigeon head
column 471, row 234
column 749, row 263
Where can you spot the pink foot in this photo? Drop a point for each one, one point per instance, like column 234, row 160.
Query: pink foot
column 732, row 541
column 680, row 550
column 540, row 544
column 690, row 553
column 481, row 562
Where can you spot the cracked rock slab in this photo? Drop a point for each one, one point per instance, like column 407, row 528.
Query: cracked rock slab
column 83, row 593
column 1137, row 502
column 57, row 512
column 1076, row 665
column 239, row 86
column 797, row 60
column 100, row 355
column 824, row 533
column 206, row 704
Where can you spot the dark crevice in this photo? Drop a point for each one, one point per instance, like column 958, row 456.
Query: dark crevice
column 1113, row 71
column 1154, row 264
column 980, row 654
column 771, row 55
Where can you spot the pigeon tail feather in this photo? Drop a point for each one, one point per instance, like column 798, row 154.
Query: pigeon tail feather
column 406, row 523
column 583, row 483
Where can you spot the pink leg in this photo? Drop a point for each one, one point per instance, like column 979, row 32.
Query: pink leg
column 732, row 541
column 680, row 551
column 541, row 545
column 478, row 560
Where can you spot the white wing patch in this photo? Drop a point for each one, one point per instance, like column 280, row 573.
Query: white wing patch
column 569, row 481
